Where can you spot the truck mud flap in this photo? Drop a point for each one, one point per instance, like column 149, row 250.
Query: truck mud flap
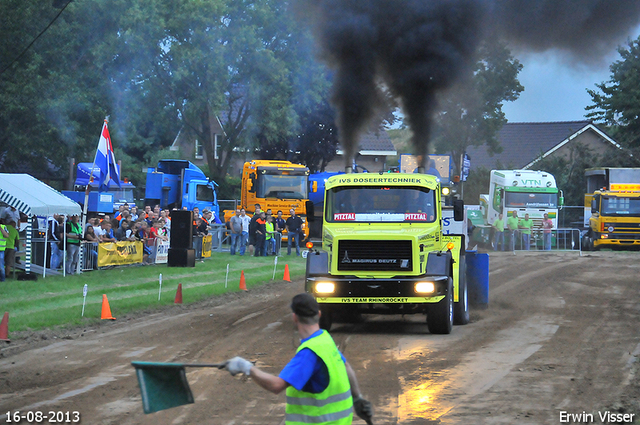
column 439, row 263
column 317, row 264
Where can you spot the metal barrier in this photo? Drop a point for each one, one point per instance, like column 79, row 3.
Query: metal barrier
column 88, row 256
column 563, row 239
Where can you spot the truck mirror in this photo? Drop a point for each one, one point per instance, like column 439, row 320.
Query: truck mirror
column 593, row 206
column 314, row 186
column 250, row 184
column 561, row 201
column 310, row 210
column 458, row 209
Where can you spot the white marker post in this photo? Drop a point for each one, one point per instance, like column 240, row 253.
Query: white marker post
column 275, row 264
column 84, row 295
column 226, row 279
column 160, row 290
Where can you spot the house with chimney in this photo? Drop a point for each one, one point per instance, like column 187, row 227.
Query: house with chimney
column 525, row 143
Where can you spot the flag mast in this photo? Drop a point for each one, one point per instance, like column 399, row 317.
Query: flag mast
column 88, row 188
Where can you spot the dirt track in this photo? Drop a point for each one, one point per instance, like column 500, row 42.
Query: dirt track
column 561, row 335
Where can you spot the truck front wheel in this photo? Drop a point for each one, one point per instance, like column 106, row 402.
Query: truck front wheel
column 461, row 308
column 440, row 315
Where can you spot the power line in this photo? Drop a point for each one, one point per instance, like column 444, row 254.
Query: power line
column 35, row 39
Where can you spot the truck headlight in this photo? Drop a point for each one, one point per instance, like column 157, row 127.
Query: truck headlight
column 325, row 287
column 425, row 287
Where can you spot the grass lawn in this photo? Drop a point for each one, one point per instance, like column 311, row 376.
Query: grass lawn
column 56, row 301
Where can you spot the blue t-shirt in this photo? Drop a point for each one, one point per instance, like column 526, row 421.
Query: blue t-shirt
column 306, row 371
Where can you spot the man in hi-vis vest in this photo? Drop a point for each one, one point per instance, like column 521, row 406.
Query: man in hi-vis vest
column 320, row 384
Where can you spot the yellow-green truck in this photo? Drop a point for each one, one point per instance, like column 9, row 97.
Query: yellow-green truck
column 383, row 252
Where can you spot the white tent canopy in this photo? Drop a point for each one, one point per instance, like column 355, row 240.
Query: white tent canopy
column 32, row 197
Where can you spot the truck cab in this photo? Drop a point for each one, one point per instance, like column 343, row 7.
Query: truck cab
column 384, row 251
column 523, row 191
column 276, row 185
column 180, row 184
column 100, row 201
column 612, row 208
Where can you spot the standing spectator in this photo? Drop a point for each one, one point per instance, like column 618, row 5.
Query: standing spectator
column 196, row 213
column 12, row 246
column 4, row 235
column 105, row 232
column 235, row 226
column 294, row 227
column 10, row 214
column 512, row 224
column 280, row 224
column 123, row 233
column 498, row 227
column 54, row 229
column 134, row 213
column 74, row 236
column 118, row 215
column 252, row 228
column 164, row 214
column 142, row 235
column 260, row 236
column 270, row 237
column 245, row 220
column 525, row 225
column 547, row 225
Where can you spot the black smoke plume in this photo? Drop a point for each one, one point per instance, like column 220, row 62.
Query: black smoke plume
column 417, row 48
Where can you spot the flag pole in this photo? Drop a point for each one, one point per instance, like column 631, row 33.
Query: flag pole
column 88, row 188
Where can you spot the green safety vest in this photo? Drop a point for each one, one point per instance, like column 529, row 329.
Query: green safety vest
column 334, row 405
column 3, row 240
column 76, row 230
column 269, row 228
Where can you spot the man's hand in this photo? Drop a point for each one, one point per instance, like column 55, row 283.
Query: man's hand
column 363, row 409
column 237, row 365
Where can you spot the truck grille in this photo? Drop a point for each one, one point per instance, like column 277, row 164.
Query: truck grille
column 381, row 256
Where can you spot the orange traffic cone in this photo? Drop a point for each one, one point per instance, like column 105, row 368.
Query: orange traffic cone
column 178, row 299
column 243, row 284
column 106, row 310
column 4, row 327
column 286, row 273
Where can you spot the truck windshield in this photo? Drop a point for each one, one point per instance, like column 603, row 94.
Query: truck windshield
column 531, row 200
column 122, row 195
column 381, row 204
column 621, row 206
column 282, row 187
column 204, row 193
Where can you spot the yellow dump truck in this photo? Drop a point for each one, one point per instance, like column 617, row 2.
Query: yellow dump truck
column 383, row 252
column 612, row 208
column 275, row 185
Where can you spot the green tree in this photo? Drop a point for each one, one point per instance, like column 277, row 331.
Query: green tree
column 471, row 112
column 616, row 102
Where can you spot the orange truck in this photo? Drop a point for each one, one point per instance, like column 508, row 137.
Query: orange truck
column 276, row 185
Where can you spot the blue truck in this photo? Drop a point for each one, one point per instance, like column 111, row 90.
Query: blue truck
column 177, row 183
column 99, row 201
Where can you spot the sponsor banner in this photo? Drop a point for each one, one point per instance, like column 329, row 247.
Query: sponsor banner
column 118, row 253
column 379, row 300
column 206, row 246
column 162, row 251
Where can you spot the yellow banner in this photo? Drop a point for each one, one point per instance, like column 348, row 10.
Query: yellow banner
column 113, row 254
column 379, row 300
column 206, row 246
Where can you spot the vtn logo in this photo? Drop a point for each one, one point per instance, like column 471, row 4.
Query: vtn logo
column 532, row 182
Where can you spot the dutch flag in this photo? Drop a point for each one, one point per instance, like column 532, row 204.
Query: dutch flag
column 105, row 161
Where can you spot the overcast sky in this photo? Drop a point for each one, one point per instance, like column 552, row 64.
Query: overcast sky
column 556, row 90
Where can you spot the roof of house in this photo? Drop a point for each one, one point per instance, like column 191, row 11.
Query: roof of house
column 374, row 143
column 524, row 143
